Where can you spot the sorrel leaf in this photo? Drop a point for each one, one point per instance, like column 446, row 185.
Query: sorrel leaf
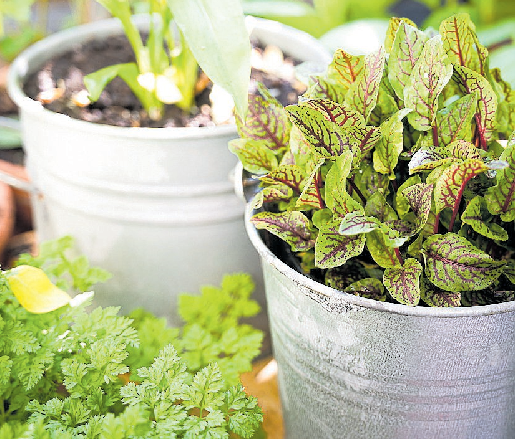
column 363, row 93
column 474, row 215
column 454, row 264
column 392, row 29
column 471, row 82
column 266, row 120
column 370, row 288
column 378, row 207
column 390, row 146
column 337, row 113
column 381, row 251
column 454, row 121
column 344, row 68
column 428, row 158
column 311, row 194
column 400, row 202
column 434, row 296
column 293, row 227
column 419, row 197
column 320, row 87
column 461, row 43
column 356, row 222
column 406, row 49
column 333, row 249
column 255, row 155
column 450, row 185
column 403, row 282
column 288, row 175
column 431, row 73
column 500, row 198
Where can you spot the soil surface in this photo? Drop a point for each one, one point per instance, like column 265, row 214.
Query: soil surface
column 62, row 77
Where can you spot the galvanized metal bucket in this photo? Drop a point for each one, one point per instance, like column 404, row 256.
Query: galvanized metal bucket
column 154, row 206
column 355, row 368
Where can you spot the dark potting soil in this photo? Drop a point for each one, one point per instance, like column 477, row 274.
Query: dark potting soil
column 117, row 105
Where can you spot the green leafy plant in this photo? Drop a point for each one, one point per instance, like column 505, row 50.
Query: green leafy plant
column 389, row 179
column 165, row 71
column 64, row 373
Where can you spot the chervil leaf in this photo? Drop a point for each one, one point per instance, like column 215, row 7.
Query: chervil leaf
column 428, row 78
column 266, row 120
column 471, row 82
column 434, row 296
column 333, row 249
column 406, row 49
column 500, row 198
column 345, row 69
column 473, row 216
column 450, row 185
column 390, row 146
column 454, row 122
column 454, row 264
column 255, row 155
column 363, row 93
column 403, row 283
column 243, row 412
column 337, row 113
column 461, row 42
column 292, row 227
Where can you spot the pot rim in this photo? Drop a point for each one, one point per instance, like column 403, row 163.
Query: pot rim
column 339, row 296
column 65, row 39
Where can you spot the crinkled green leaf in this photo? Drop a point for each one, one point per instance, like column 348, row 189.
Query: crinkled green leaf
column 419, row 197
column 431, row 73
column 370, row 288
column 500, row 198
column 337, row 113
column 266, row 120
column 345, row 68
column 471, row 82
column 454, row 264
column 454, row 122
column 403, row 282
column 473, row 216
column 406, row 49
column 461, row 42
column 255, row 155
column 293, row 227
column 333, row 249
column 450, row 185
column 363, row 93
column 434, row 296
column 390, row 146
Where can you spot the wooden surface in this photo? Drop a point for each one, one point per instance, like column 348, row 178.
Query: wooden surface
column 262, row 383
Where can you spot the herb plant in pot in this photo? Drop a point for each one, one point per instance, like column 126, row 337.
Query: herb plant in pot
column 154, row 206
column 391, row 291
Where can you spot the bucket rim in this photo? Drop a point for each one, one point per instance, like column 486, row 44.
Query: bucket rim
column 66, row 39
column 339, row 296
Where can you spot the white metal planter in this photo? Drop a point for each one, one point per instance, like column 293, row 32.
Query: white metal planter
column 355, row 368
column 154, row 206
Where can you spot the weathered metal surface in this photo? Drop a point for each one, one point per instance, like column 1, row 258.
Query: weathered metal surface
column 355, row 368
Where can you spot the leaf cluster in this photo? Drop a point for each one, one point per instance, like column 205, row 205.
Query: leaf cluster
column 64, row 374
column 397, row 166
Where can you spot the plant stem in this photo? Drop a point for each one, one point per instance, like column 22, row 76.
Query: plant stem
column 398, row 255
column 456, row 207
column 394, row 185
column 435, row 136
column 436, row 224
column 360, row 195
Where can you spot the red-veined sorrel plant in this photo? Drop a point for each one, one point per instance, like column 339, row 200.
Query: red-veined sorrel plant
column 211, row 34
column 390, row 170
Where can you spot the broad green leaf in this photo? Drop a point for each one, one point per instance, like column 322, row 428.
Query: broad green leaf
column 461, row 43
column 255, row 155
column 454, row 264
column 401, row 203
column 407, row 47
column 266, row 120
column 337, row 198
column 454, row 122
column 403, row 282
column 355, row 223
column 431, row 73
column 96, row 82
column 473, row 216
column 434, row 296
column 337, row 113
column 217, row 36
column 450, row 185
column 344, row 68
column 293, row 227
column 34, row 291
column 500, row 198
column 378, row 207
column 325, row 137
column 333, row 249
column 392, row 30
column 390, row 146
column 364, row 138
column 419, row 197
column 386, row 104
column 471, row 82
column 382, row 252
column 369, row 181
column 370, row 288
column 363, row 93
column 289, row 175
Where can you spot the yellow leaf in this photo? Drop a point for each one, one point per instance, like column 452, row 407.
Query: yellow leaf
column 34, row 290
